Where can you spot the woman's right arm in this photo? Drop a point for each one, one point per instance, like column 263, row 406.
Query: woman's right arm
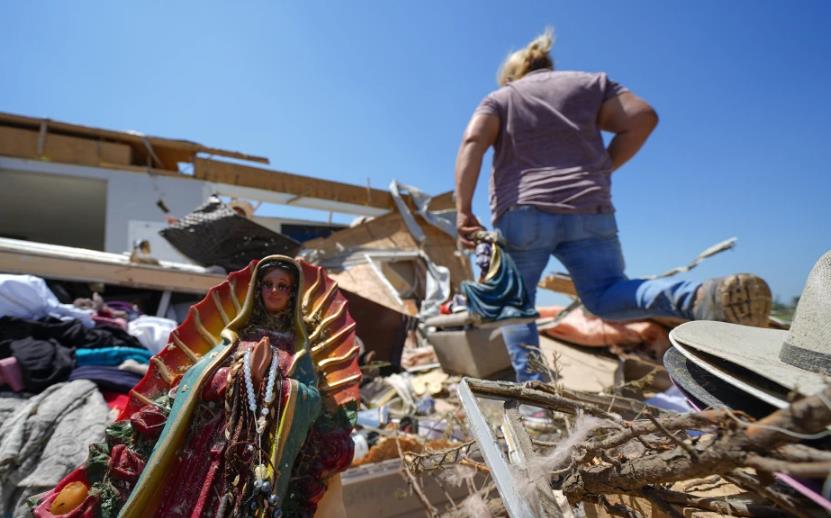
column 480, row 134
column 631, row 119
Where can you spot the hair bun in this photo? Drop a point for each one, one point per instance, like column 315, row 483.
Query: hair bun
column 534, row 56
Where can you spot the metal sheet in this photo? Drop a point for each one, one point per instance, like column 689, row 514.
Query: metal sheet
column 516, row 506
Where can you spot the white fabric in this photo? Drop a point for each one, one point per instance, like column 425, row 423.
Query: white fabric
column 27, row 296
column 152, row 332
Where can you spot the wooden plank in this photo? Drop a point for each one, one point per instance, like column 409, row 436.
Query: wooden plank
column 386, row 232
column 60, row 148
column 169, row 151
column 77, row 264
column 302, row 186
column 560, row 283
column 407, row 277
column 443, row 201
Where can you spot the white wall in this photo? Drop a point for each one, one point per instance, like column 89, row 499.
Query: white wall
column 133, row 197
column 130, row 196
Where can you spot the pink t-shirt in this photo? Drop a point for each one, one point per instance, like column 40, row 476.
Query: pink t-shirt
column 549, row 152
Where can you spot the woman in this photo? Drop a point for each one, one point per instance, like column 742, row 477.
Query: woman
column 257, row 425
column 550, row 194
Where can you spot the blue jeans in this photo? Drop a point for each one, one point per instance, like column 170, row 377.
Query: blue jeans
column 588, row 246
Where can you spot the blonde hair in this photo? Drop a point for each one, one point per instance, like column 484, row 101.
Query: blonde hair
column 535, row 56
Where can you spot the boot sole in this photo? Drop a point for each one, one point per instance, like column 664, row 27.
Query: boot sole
column 745, row 299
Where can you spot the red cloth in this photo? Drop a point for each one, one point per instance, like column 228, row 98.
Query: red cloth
column 149, row 421
column 196, row 467
column 125, row 464
column 116, row 400
column 215, row 390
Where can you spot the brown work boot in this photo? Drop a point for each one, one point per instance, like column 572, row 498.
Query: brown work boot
column 743, row 298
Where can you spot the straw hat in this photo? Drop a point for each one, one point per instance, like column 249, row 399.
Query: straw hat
column 705, row 390
column 769, row 363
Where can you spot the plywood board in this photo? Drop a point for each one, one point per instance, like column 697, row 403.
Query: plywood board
column 388, row 232
column 581, row 368
column 361, row 279
column 380, row 490
column 713, row 488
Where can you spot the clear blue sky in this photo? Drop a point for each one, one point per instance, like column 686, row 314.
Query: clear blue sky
column 382, row 90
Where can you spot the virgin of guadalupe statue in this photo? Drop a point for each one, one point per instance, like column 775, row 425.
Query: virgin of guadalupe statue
column 247, row 411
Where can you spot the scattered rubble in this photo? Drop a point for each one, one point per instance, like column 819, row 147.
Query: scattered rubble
column 440, row 431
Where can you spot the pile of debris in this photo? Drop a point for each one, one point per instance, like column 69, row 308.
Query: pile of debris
column 621, row 439
column 433, row 435
column 603, row 454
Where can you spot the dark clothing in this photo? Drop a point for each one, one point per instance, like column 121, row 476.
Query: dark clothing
column 550, row 153
column 42, row 362
column 69, row 333
column 44, row 349
column 107, row 378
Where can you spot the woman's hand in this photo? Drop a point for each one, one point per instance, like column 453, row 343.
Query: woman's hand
column 466, row 225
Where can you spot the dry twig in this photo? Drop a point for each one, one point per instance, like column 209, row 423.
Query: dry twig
column 428, row 507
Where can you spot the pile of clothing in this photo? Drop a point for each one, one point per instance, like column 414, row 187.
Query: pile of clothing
column 43, row 342
column 64, row 368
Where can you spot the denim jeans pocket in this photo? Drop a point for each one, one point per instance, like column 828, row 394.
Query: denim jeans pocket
column 599, row 225
column 520, row 226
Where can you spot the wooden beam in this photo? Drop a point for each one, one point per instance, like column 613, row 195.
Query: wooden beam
column 78, row 264
column 560, row 283
column 169, row 151
column 60, row 148
column 294, row 184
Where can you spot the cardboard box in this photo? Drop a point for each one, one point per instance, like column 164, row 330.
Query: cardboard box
column 380, row 491
column 477, row 352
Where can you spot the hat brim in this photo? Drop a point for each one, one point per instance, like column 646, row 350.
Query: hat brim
column 705, row 390
column 748, row 349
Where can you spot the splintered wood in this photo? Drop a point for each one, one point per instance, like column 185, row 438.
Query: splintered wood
column 639, row 461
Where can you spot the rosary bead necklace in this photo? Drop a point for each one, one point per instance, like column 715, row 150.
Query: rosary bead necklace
column 262, row 484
